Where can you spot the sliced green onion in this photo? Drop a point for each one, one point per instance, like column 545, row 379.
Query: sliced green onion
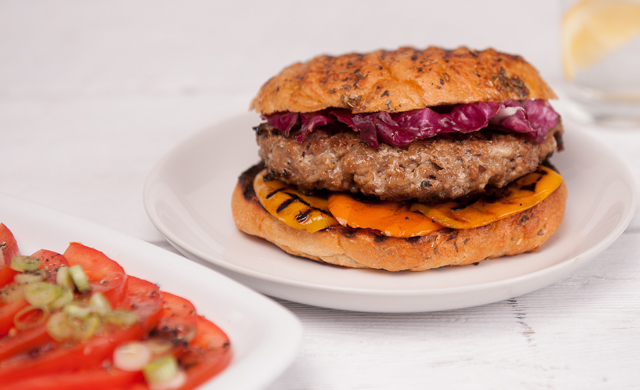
column 159, row 347
column 174, row 383
column 77, row 310
column 63, row 278
column 132, row 356
column 24, row 325
column 122, row 317
column 79, row 278
column 161, row 370
column 86, row 329
column 24, row 263
column 66, row 296
column 59, row 327
column 99, row 304
column 41, row 293
column 12, row 294
column 29, row 277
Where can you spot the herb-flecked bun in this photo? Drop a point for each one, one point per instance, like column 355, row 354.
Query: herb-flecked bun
column 401, row 80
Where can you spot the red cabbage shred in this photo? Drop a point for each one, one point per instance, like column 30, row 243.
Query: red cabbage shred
column 533, row 118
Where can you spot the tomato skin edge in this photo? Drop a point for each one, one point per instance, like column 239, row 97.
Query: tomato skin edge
column 105, row 275
column 8, row 245
column 8, row 249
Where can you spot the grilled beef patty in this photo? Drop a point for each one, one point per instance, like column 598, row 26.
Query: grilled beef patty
column 435, row 169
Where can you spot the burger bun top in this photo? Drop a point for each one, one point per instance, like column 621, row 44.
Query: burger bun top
column 401, row 80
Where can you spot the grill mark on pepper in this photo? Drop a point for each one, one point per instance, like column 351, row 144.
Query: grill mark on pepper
column 295, row 198
column 269, row 195
column 302, row 217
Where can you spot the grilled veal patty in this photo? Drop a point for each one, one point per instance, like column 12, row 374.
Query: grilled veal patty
column 435, row 169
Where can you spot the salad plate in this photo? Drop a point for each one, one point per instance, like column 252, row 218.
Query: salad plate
column 264, row 336
column 188, row 193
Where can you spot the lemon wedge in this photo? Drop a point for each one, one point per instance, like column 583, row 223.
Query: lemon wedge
column 593, row 29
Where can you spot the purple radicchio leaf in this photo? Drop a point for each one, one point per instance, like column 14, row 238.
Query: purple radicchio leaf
column 310, row 121
column 283, row 121
column 533, row 118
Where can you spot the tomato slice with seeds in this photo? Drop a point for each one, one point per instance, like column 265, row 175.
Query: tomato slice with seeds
column 141, row 297
column 105, row 275
column 8, row 249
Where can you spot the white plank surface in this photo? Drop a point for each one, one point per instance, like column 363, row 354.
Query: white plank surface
column 93, row 94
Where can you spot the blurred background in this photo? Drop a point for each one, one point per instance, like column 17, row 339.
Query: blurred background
column 87, row 49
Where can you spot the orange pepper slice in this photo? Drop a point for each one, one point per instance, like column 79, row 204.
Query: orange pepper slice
column 391, row 218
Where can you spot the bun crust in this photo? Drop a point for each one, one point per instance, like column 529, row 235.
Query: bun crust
column 401, row 80
column 363, row 248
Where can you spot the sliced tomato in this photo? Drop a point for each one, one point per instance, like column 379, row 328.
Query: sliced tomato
column 8, row 249
column 141, row 296
column 105, row 275
column 7, row 313
column 94, row 379
column 24, row 341
column 49, row 261
column 207, row 355
column 178, row 318
column 6, row 275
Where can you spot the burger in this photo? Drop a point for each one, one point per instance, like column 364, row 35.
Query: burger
column 404, row 160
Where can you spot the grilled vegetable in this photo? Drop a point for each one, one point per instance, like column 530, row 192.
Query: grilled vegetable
column 292, row 207
column 518, row 196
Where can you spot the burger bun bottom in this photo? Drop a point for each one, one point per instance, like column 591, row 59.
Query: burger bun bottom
column 366, row 248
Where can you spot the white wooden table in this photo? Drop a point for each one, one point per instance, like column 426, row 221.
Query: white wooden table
column 92, row 95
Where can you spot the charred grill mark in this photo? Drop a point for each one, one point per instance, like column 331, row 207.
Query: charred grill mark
column 347, row 233
column 269, row 195
column 246, row 181
column 285, row 204
column 302, row 217
column 378, row 238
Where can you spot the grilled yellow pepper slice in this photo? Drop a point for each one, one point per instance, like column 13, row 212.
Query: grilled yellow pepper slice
column 518, row 196
column 292, row 207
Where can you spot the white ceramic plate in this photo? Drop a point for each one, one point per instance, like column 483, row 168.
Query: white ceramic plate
column 264, row 336
column 187, row 197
